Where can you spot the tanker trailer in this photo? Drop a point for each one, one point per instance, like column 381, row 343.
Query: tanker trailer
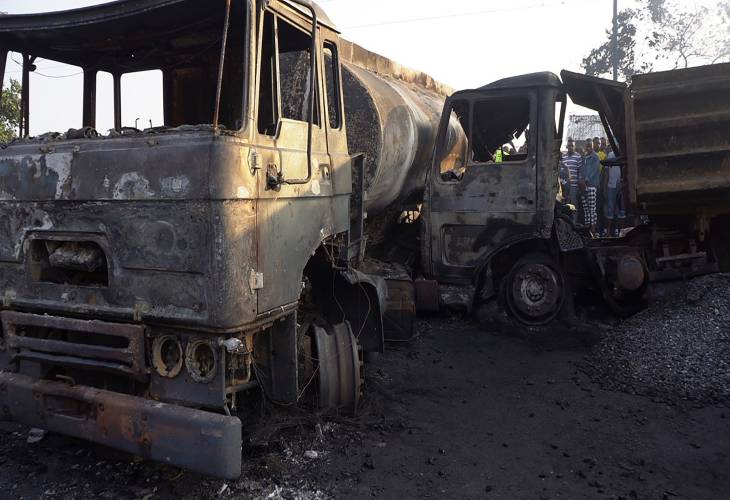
column 393, row 114
column 154, row 281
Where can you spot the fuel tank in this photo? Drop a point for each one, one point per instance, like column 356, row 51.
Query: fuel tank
column 393, row 115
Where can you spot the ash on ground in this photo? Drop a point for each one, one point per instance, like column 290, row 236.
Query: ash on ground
column 677, row 349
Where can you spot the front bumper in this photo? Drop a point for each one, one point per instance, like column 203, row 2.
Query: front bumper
column 192, row 439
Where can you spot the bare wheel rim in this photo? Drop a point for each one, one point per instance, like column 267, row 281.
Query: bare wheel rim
column 536, row 293
column 339, row 368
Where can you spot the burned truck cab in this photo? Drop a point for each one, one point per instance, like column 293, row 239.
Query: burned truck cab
column 151, row 276
column 494, row 220
column 497, row 187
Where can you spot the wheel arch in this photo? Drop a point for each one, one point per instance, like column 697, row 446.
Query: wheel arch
column 349, row 295
column 496, row 265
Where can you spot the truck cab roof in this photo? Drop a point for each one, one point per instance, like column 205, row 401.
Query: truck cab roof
column 107, row 35
column 541, row 79
column 115, row 37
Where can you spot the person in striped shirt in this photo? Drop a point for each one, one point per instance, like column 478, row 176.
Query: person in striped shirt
column 572, row 161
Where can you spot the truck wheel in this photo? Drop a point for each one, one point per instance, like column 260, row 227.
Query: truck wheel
column 534, row 290
column 339, row 367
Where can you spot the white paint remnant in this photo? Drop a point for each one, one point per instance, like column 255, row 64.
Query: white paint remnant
column 60, row 163
column 175, row 186
column 243, row 192
column 41, row 221
column 132, row 186
column 316, row 190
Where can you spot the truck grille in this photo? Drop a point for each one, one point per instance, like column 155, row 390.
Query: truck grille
column 91, row 345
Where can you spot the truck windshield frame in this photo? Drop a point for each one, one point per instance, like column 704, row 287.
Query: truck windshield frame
column 472, row 99
column 170, row 37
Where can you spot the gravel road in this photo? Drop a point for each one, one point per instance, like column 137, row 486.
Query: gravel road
column 676, row 350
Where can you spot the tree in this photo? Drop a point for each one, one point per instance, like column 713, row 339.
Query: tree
column 667, row 34
column 10, row 111
column 723, row 13
column 598, row 62
column 677, row 35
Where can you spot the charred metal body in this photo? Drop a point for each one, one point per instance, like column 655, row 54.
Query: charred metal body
column 162, row 273
column 494, row 218
column 166, row 272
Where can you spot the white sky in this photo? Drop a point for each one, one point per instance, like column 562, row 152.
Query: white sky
column 472, row 43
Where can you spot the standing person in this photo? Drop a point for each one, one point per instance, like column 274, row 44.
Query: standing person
column 599, row 146
column 614, row 199
column 572, row 161
column 601, row 152
column 589, row 182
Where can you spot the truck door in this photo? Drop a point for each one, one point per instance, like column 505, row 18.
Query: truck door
column 294, row 207
column 482, row 191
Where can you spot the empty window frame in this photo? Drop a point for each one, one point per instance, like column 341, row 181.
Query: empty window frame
column 269, row 83
column 500, row 130
column 484, row 131
column 285, row 79
column 190, row 80
column 188, row 59
column 454, row 148
column 55, row 94
column 332, row 82
column 142, row 100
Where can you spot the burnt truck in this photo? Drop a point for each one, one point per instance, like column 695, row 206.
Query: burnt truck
column 302, row 200
column 151, row 279
column 493, row 227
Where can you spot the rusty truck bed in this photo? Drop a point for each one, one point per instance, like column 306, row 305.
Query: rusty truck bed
column 681, row 122
column 672, row 131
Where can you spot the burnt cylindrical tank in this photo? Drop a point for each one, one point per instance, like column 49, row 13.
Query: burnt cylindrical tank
column 392, row 116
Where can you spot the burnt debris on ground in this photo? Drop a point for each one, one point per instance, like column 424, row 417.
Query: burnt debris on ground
column 677, row 349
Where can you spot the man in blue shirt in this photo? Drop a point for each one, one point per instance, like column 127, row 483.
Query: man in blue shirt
column 590, row 181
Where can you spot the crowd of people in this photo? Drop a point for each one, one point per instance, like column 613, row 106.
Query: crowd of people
column 593, row 183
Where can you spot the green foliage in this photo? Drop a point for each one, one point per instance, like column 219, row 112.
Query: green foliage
column 677, row 35
column 10, row 111
column 599, row 61
column 723, row 14
column 665, row 34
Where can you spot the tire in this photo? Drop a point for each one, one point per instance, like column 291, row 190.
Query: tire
column 534, row 291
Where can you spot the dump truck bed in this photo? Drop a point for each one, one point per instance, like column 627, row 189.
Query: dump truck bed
column 679, row 131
